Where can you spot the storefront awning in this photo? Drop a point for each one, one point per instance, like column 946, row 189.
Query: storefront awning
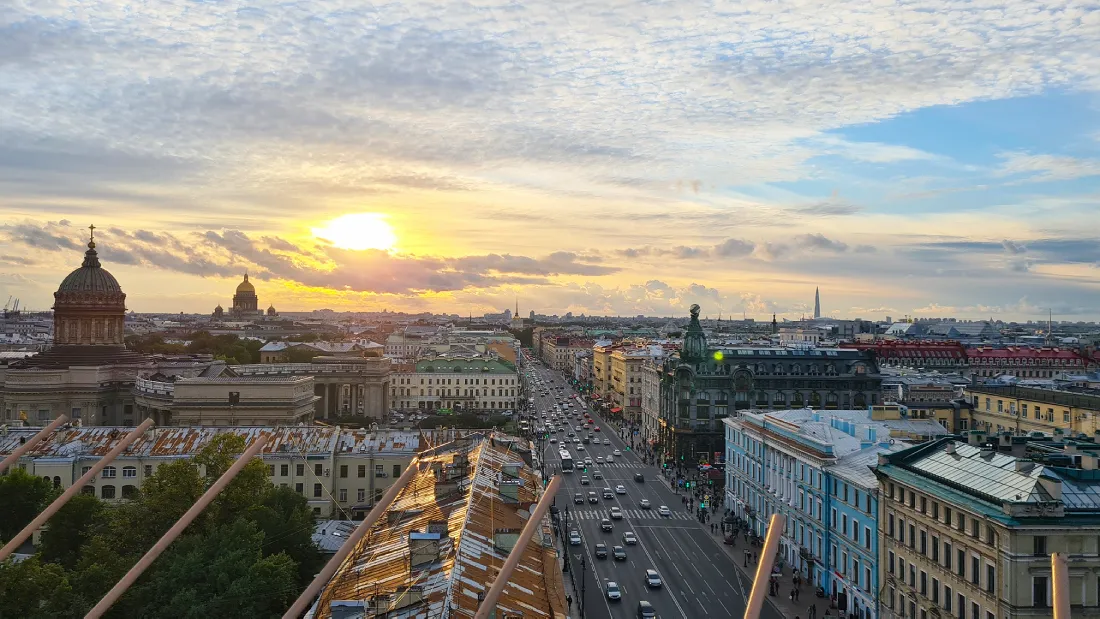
column 616, row 410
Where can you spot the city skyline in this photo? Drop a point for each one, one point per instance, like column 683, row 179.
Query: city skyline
column 633, row 160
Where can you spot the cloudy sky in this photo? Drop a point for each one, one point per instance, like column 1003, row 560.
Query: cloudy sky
column 927, row 157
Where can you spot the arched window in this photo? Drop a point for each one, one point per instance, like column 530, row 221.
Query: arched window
column 109, row 472
column 56, row 482
column 89, row 489
column 107, row 492
column 129, row 472
column 129, row 492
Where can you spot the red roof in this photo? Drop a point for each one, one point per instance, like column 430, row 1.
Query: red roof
column 1016, row 352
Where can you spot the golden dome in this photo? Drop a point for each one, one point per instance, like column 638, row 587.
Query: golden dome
column 245, row 286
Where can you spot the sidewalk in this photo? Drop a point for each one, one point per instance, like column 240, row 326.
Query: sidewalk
column 787, row 608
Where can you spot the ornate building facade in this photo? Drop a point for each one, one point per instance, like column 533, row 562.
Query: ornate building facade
column 701, row 386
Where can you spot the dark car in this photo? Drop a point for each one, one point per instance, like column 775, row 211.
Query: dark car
column 620, row 553
column 593, row 498
column 645, row 610
column 605, row 524
column 601, row 550
column 639, row 477
column 578, row 499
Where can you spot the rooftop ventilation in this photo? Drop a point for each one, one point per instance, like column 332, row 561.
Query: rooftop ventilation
column 504, row 540
column 1024, row 466
column 949, row 448
column 423, row 549
column 509, row 490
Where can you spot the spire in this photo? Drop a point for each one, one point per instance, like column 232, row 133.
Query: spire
column 246, row 276
column 91, row 258
column 817, row 302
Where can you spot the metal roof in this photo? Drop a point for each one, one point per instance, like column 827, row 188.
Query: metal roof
column 993, row 475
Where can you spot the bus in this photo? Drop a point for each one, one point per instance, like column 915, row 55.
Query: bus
column 566, row 461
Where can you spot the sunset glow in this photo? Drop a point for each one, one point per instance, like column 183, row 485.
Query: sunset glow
column 358, row 231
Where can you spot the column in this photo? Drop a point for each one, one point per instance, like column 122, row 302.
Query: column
column 332, row 400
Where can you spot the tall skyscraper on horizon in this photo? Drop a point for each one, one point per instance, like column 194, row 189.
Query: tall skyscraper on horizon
column 817, row 303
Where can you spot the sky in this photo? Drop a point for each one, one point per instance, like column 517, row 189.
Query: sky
column 924, row 157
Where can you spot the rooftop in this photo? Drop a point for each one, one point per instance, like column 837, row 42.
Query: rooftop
column 446, row 535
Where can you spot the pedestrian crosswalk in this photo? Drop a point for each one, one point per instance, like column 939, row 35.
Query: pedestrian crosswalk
column 614, row 465
column 628, row 514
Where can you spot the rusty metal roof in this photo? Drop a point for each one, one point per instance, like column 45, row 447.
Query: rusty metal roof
column 176, row 442
column 475, row 512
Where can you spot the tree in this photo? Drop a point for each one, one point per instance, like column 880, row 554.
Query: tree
column 287, row 522
column 249, row 486
column 70, row 528
column 22, row 497
column 221, row 574
column 31, row 589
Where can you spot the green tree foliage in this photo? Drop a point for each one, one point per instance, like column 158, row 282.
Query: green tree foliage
column 22, row 497
column 249, row 486
column 70, row 528
column 220, row 574
column 300, row 354
column 286, row 521
column 31, row 589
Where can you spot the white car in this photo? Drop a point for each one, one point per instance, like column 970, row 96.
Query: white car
column 616, row 453
column 616, row 513
column 574, row 538
column 620, row 489
column 599, row 459
column 613, row 591
column 610, row 459
column 607, row 441
column 664, row 511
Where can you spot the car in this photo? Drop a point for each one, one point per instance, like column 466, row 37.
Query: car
column 584, row 480
column 607, row 441
column 592, row 498
column 619, row 552
column 645, row 610
column 616, row 513
column 639, row 477
column 620, row 489
column 578, row 499
column 579, row 447
column 597, row 428
column 613, row 592
column 616, row 453
column 570, row 435
column 645, row 504
column 574, row 538
column 588, row 461
column 610, row 459
column 601, row 550
column 605, row 525
column 578, row 428
column 607, row 494
column 587, row 440
column 597, row 475
column 664, row 511
column 653, row 579
column 599, row 460
column 553, row 439
column 629, row 538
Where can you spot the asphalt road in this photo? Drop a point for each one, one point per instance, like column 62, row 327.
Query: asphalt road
column 700, row 579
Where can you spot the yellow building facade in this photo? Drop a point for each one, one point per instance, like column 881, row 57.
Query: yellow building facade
column 1023, row 410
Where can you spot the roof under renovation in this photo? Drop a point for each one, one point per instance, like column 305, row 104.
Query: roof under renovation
column 439, row 546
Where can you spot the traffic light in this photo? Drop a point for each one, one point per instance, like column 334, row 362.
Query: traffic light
column 702, row 504
column 664, row 465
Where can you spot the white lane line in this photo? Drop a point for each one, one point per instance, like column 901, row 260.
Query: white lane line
column 654, row 564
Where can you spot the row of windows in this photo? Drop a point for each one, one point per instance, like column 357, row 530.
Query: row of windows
column 463, row 392
column 459, row 381
column 931, row 508
column 987, row 581
column 897, row 602
column 1036, row 411
column 318, row 470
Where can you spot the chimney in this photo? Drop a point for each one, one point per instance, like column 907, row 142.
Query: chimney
column 423, row 549
column 986, row 452
column 949, row 448
column 1019, row 447
column 1024, row 466
column 975, row 437
column 1088, row 462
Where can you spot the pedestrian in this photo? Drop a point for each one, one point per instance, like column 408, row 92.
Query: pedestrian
column 812, row 612
column 569, row 600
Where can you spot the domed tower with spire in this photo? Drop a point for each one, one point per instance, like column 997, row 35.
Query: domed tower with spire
column 245, row 302
column 89, row 306
column 695, row 341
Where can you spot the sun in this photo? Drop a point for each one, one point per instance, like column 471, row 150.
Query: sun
column 358, row 231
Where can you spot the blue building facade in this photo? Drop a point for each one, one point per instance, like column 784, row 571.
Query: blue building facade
column 814, row 467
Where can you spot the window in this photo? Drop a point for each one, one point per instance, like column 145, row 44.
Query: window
column 990, row 578
column 924, row 583
column 912, row 536
column 935, row 590
column 317, row 469
column 975, row 611
column 270, row 470
column 109, row 473
column 890, row 562
column 1039, row 542
column 924, row 543
column 299, row 470
column 890, row 525
column 935, row 548
column 844, row 524
column 129, row 492
column 284, row 469
column 107, row 492
column 299, row 488
column 947, row 514
column 148, row 470
column 935, row 510
column 360, row 495
column 397, row 470
column 867, row 537
column 947, row 555
column 961, row 600
column 923, row 505
column 343, row 470
column 975, row 568
column 317, row 489
column 912, row 575
column 901, row 530
column 379, row 471
column 362, row 472
column 1039, row 591
column 834, row 520
column 343, row 495
column 129, row 472
column 960, row 564
column 947, row 598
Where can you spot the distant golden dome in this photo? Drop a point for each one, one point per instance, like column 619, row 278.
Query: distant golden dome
column 245, row 286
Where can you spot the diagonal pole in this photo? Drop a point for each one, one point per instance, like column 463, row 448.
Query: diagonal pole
column 181, row 524
column 25, row 447
column 1060, row 585
column 302, row 603
column 71, row 491
column 533, row 523
column 764, row 568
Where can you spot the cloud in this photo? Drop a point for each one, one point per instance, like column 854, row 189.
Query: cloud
column 734, row 248
column 819, row 241
column 1012, row 247
column 1042, row 168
